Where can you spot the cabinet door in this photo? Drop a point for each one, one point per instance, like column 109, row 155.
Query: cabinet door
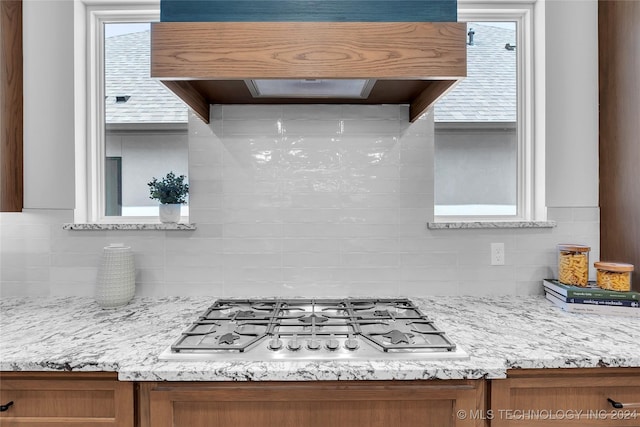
column 65, row 399
column 311, row 404
column 566, row 397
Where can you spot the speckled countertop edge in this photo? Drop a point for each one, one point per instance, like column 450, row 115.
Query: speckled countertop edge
column 499, row 333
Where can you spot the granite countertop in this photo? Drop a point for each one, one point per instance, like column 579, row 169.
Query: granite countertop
column 499, row 333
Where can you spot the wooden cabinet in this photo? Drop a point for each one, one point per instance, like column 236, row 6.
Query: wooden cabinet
column 566, row 397
column 11, row 107
column 311, row 404
column 619, row 127
column 527, row 398
column 40, row 399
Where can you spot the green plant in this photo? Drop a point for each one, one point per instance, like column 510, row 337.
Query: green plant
column 170, row 190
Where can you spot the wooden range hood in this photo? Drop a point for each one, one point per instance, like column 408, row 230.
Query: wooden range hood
column 207, row 63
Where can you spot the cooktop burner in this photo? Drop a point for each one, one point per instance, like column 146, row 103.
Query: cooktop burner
column 291, row 329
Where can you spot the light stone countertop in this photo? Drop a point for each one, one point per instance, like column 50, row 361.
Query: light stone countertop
column 75, row 334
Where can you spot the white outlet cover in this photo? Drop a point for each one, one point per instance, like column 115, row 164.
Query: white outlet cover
column 497, row 254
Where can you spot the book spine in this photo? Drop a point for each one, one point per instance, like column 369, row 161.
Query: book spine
column 592, row 309
column 606, row 302
column 593, row 301
column 591, row 293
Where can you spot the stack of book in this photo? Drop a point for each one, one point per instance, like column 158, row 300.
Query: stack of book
column 591, row 299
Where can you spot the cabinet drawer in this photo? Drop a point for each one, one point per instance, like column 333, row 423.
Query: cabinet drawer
column 311, row 404
column 65, row 399
column 566, row 397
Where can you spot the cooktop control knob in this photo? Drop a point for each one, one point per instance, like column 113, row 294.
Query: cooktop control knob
column 294, row 345
column 275, row 343
column 351, row 344
column 313, row 344
column 332, row 344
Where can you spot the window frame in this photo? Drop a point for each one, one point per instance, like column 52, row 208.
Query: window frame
column 530, row 173
column 91, row 15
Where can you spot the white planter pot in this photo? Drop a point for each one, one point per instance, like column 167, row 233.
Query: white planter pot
column 170, row 213
column 116, row 276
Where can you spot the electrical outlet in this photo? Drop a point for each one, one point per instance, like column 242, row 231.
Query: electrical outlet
column 497, row 254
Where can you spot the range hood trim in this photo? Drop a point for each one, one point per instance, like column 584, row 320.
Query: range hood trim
column 187, row 56
column 363, row 92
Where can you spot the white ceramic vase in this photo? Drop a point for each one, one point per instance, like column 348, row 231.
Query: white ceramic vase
column 116, row 276
column 170, row 213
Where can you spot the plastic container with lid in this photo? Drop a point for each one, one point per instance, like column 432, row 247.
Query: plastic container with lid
column 615, row 276
column 573, row 264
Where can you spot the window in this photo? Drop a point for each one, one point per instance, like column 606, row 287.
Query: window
column 136, row 128
column 484, row 154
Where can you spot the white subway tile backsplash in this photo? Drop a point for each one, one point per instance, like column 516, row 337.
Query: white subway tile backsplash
column 366, row 259
column 70, row 259
column 430, row 259
column 203, row 156
column 533, row 287
column 311, row 216
column 368, row 112
column 313, row 230
column 18, row 273
column 26, row 231
column 531, row 273
column 179, row 275
column 318, row 200
column 367, row 216
column 297, row 277
column 487, row 272
column 319, row 244
column 312, row 112
column 253, row 245
column 368, row 244
column 251, row 261
column 247, row 215
column 209, row 289
column 327, row 128
column 145, row 289
column 253, row 274
column 493, row 286
column 372, row 128
column 74, row 280
column 427, row 286
column 416, row 273
column 240, row 231
column 151, row 275
column 311, row 259
column 204, row 173
column 248, row 112
column 24, row 288
column 27, row 246
column 367, row 274
column 248, row 128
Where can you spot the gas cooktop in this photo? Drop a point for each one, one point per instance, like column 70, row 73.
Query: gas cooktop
column 313, row 329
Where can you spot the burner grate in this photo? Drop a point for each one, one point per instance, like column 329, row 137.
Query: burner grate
column 388, row 325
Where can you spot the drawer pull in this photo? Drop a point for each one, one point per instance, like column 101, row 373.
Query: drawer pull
column 6, row 407
column 620, row 405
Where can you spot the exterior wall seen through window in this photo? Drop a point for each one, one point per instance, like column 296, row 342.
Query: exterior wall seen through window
column 145, row 124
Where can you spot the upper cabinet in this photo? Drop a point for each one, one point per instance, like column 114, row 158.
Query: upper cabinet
column 11, row 107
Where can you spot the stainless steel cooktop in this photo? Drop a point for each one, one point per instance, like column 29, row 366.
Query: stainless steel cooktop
column 313, row 329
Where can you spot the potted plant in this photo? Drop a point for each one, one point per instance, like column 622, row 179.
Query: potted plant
column 172, row 192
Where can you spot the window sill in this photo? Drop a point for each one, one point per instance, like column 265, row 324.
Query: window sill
column 129, row 226
column 489, row 224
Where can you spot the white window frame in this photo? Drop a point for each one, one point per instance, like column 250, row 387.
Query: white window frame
column 90, row 17
column 530, row 187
